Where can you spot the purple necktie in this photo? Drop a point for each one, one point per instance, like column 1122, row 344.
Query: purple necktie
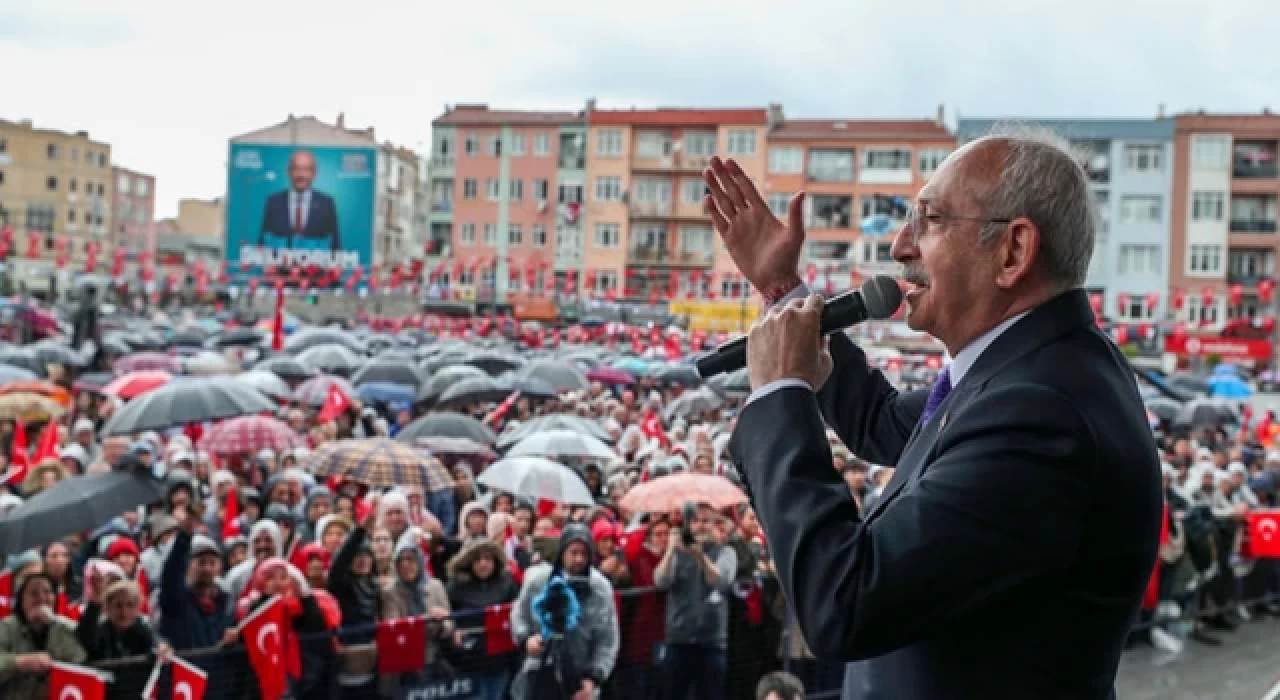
column 937, row 395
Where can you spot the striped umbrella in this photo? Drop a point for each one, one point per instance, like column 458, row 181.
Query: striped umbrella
column 248, row 434
column 379, row 463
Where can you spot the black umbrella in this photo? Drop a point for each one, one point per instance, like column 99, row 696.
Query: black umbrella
column 286, row 367
column 75, row 505
column 187, row 401
column 561, row 375
column 532, row 387
column 1205, row 412
column 314, row 392
column 445, row 378
column 389, row 369
column 681, row 375
column 442, row 424
column 443, row 360
column 93, row 381
column 187, row 338
column 1165, row 409
column 269, row 384
column 313, row 337
column 735, row 383
column 495, row 363
column 52, row 352
column 331, row 359
column 555, row 421
column 474, row 390
column 24, row 358
column 238, row 336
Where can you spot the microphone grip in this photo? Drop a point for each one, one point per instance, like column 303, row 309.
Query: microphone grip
column 726, row 358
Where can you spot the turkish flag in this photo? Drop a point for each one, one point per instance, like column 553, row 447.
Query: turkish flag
column 47, row 447
column 497, row 630
column 189, row 682
column 651, row 426
column 334, row 404
column 19, row 457
column 402, row 645
column 277, row 324
column 263, row 634
column 71, row 682
column 231, row 515
column 1264, row 534
column 6, row 594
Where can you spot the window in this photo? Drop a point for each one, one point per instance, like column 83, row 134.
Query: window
column 538, row 235
column 1205, row 259
column 541, row 189
column 40, row 218
column 830, row 165
column 888, row 159
column 101, row 191
column 495, row 145
column 606, row 280
column 1139, row 260
column 653, row 144
column 742, row 142
column 1207, row 206
column 1198, row 312
column 695, row 239
column 469, row 189
column 490, row 234
column 1140, row 209
column 515, row 234
column 931, row 158
column 516, row 187
column 4, row 145
column 541, row 144
column 444, row 147
column 569, row 194
column 517, row 144
column 102, row 160
column 786, row 160
column 52, row 151
column 652, row 190
column 692, row 191
column 606, row 236
column 71, row 185
column 51, row 183
column 472, row 145
column 778, row 203
column 122, row 184
column 608, row 188
column 699, row 143
column 1143, row 157
column 1137, row 309
column 467, row 234
column 493, row 189
column 1210, row 152
column 734, row 287
column 71, row 216
column 609, row 142
column 1102, row 207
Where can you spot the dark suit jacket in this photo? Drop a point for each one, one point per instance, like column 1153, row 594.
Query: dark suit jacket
column 1008, row 555
column 322, row 220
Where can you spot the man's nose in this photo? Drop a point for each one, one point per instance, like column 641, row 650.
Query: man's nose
column 904, row 245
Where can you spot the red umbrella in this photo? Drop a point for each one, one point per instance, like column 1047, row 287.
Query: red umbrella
column 136, row 384
column 669, row 493
column 248, row 434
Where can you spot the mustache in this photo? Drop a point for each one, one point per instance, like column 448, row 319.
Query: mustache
column 914, row 274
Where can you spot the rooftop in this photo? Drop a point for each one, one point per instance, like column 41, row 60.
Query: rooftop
column 861, row 130
column 308, row 130
column 481, row 115
column 1153, row 129
column 671, row 116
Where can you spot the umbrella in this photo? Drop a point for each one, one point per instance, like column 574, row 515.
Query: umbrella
column 267, row 383
column 147, row 361
column 562, row 376
column 75, row 505
column 681, row 375
column 331, row 359
column 238, row 336
column 536, row 479
column 735, row 383
column 632, row 365
column 444, row 378
column 495, row 363
column 52, row 352
column 1165, row 409
column 555, row 421
column 386, row 392
column 562, row 443
column 474, row 390
column 49, row 390
column 669, row 493
column 93, row 382
column 29, row 408
column 190, row 337
column 192, row 401
column 531, row 387
column 313, row 392
column 9, row 373
column 694, row 403
column 286, row 367
column 207, row 362
column 1204, row 412
column 314, row 337
column 461, row 447
column 390, row 369
column 24, row 358
column 1228, row 386
column 248, row 434
column 610, row 375
column 379, row 463
column 135, row 384
column 443, row 424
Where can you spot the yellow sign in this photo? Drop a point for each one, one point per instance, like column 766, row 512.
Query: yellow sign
column 716, row 316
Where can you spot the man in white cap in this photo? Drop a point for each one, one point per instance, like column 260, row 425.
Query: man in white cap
column 82, row 434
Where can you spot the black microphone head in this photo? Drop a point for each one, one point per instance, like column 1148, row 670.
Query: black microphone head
column 881, row 296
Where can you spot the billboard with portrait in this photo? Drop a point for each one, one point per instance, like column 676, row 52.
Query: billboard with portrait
column 297, row 205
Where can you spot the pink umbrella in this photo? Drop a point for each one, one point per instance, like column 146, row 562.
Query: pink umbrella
column 248, row 434
column 669, row 493
column 610, row 375
column 135, row 384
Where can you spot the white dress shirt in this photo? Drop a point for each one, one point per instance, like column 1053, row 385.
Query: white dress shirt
column 960, row 365
column 293, row 209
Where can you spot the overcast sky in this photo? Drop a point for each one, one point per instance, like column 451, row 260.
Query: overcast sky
column 167, row 83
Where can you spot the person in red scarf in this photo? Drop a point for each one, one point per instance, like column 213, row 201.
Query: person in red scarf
column 308, row 655
column 124, row 553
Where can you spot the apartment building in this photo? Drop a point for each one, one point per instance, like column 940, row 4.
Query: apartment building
column 506, row 191
column 648, row 235
column 1130, row 165
column 394, row 207
column 133, row 212
column 860, row 177
column 56, row 191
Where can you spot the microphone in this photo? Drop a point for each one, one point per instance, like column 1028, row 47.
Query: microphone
column 878, row 298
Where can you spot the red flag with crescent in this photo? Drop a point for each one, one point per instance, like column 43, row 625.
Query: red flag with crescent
column 72, row 682
column 263, row 635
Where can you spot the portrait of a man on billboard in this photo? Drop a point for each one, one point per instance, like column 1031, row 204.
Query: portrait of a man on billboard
column 300, row 217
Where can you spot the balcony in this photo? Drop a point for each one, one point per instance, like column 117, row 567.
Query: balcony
column 443, row 162
column 1253, row 226
column 650, row 209
column 438, row 248
column 1095, row 157
column 442, row 205
column 654, row 255
column 676, row 162
column 1254, row 160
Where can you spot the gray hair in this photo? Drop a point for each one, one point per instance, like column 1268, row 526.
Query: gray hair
column 1044, row 181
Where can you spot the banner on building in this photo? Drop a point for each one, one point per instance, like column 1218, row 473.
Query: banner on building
column 299, row 206
column 714, row 316
column 1225, row 349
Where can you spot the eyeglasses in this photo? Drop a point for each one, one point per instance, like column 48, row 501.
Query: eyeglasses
column 919, row 218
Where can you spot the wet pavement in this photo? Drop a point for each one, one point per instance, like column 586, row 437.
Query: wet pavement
column 1242, row 668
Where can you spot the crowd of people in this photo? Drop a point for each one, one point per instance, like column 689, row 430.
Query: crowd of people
column 510, row 596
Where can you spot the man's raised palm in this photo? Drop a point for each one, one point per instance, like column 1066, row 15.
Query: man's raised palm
column 765, row 249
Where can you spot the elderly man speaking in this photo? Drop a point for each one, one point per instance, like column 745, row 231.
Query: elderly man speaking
column 1008, row 554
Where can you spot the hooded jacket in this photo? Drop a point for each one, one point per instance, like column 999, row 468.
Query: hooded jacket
column 470, row 597
column 237, row 580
